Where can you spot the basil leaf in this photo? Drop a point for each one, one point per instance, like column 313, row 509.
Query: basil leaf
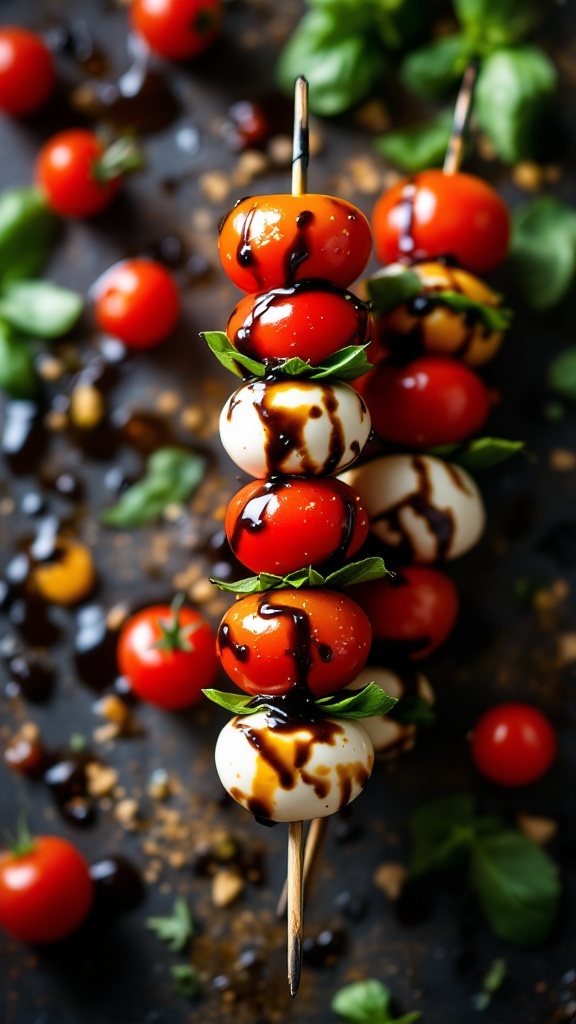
column 230, row 357
column 494, row 318
column 368, row 1002
column 391, row 287
column 482, row 453
column 176, row 929
column 172, row 474
column 364, row 703
column 543, row 250
column 516, row 884
column 442, row 830
column 494, row 23
column 27, row 233
column 562, row 373
column 40, row 307
column 372, row 568
column 345, row 364
column 412, row 709
column 354, row 572
column 339, row 55
column 512, row 92
column 250, row 585
column 414, row 149
column 185, row 979
column 17, row 374
column 237, row 703
column 433, row 69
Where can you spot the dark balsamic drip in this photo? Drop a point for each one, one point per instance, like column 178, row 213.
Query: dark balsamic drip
column 251, row 519
column 23, row 439
column 117, row 884
column 243, row 338
column 67, row 780
column 284, row 429
column 349, row 519
column 95, row 648
column 31, row 677
column 299, row 252
column 225, row 639
column 300, row 648
column 441, row 522
column 244, row 253
column 337, row 438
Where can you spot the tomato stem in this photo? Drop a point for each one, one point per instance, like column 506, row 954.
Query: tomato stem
column 22, row 841
column 462, row 111
column 174, row 636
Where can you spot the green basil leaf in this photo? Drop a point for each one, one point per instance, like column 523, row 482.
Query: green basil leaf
column 368, row 1002
column 391, row 287
column 237, row 703
column 185, row 979
column 353, row 572
column 562, row 373
column 495, row 23
column 482, row 453
column 442, row 831
column 412, row 709
column 513, row 91
column 364, row 703
column 172, row 474
column 339, row 55
column 494, row 318
column 27, row 232
column 17, row 374
column 543, row 250
column 414, row 149
column 251, row 584
column 516, row 884
column 176, row 929
column 40, row 308
column 230, row 357
column 345, row 364
column 434, row 68
column 372, row 568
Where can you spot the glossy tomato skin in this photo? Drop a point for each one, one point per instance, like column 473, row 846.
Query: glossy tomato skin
column 281, row 525
column 306, row 641
column 137, row 301
column 311, row 319
column 450, row 215
column 170, row 679
column 26, row 72
column 272, row 241
column 414, row 611
column 177, row 29
column 513, row 744
column 433, row 400
column 44, row 894
column 65, row 173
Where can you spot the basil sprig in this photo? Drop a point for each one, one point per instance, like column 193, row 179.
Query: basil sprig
column 515, row 882
column 422, row 145
column 392, row 288
column 345, row 364
column 371, row 700
column 481, row 453
column 543, row 250
column 412, row 709
column 369, row 1002
column 172, row 475
column 372, row 568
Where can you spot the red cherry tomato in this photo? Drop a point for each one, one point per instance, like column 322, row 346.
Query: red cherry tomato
column 315, row 641
column 45, row 892
column 435, row 214
column 513, row 744
column 67, row 172
column 137, row 301
column 280, row 525
column 433, row 400
column 177, row 29
column 414, row 611
column 272, row 241
column 26, row 71
column 312, row 319
column 168, row 654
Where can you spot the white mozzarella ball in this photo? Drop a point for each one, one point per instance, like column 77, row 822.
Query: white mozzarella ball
column 296, row 771
column 391, row 738
column 427, row 509
column 293, row 426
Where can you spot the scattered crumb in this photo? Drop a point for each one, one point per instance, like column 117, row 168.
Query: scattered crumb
column 249, row 165
column 528, row 176
column 87, row 407
column 50, row 368
column 539, row 830
column 390, row 878
column 215, row 186
column 55, row 421
column 279, row 150
column 127, row 813
column 562, row 460
column 227, row 886
column 116, row 617
column 191, row 418
column 101, row 778
column 373, row 116
column 202, row 591
column 365, row 174
column 566, row 648
column 168, row 402
column 159, row 787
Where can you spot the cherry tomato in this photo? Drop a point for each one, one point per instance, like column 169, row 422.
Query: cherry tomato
column 168, row 654
column 69, row 172
column 272, row 241
column 439, row 328
column 414, row 611
column 177, row 29
column 435, row 214
column 45, row 890
column 281, row 525
column 311, row 319
column 431, row 401
column 314, row 640
column 513, row 744
column 137, row 301
column 26, row 71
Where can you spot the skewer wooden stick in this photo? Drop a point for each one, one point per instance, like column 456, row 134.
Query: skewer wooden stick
column 312, row 857
column 300, row 142
column 462, row 112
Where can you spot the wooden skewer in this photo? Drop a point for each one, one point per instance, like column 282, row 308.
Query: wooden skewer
column 300, row 141
column 462, row 112
column 312, row 857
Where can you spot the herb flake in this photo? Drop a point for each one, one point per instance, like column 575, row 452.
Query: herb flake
column 176, row 929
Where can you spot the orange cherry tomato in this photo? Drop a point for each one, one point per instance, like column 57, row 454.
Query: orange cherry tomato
column 138, row 302
column 272, row 241
column 281, row 525
column 177, row 29
column 313, row 641
column 434, row 214
column 67, row 174
column 26, row 71
column 311, row 319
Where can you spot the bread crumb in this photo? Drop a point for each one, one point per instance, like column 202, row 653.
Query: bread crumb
column 101, row 779
column 390, row 878
column 539, row 830
column 227, row 886
column 215, row 186
column 562, row 460
column 528, row 175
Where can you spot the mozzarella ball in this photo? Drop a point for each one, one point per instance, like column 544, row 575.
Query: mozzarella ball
column 293, row 771
column 390, row 738
column 426, row 509
column 292, row 426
